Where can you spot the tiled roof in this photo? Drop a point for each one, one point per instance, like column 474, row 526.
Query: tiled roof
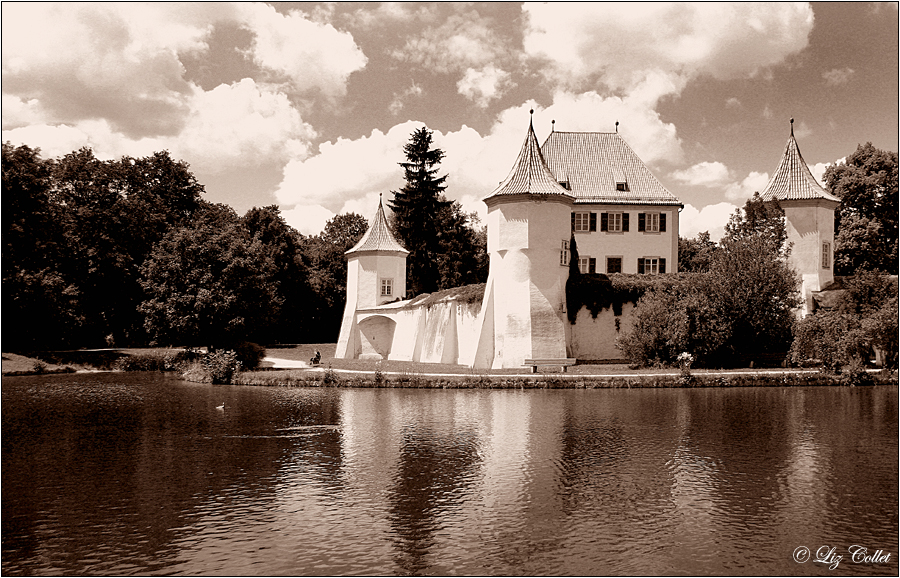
column 594, row 162
column 530, row 174
column 793, row 180
column 378, row 237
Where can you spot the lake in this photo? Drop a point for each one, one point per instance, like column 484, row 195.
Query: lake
column 113, row 473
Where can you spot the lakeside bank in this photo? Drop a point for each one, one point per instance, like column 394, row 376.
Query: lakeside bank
column 290, row 370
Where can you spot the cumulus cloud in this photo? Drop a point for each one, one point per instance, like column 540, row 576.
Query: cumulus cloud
column 753, row 183
column 110, row 76
column 711, row 218
column 312, row 55
column 400, row 99
column 233, row 124
column 113, row 61
column 733, row 103
column 484, row 85
column 467, row 44
column 837, row 76
column 623, row 45
column 244, row 123
column 818, row 169
column 707, row 174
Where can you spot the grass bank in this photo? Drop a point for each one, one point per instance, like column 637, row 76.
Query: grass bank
column 330, row 377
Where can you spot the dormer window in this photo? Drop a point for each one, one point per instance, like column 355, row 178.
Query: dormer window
column 621, row 186
column 565, row 185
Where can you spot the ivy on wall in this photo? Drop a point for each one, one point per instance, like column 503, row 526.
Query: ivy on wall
column 597, row 291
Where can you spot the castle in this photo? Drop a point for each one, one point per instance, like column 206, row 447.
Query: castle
column 583, row 185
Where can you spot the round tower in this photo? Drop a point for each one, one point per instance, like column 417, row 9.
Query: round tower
column 809, row 220
column 528, row 229
column 376, row 274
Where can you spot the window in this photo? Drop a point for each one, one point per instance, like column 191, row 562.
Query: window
column 652, row 222
column 621, row 187
column 565, row 185
column 587, row 264
column 614, row 222
column 826, row 255
column 584, row 221
column 387, row 287
column 651, row 265
column 613, row 264
column 564, row 254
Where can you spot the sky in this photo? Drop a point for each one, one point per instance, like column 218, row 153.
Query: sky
column 308, row 105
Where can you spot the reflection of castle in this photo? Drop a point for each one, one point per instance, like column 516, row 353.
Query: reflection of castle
column 588, row 186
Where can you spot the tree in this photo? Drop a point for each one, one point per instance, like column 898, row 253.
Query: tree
column 282, row 246
column 462, row 257
column 758, row 292
column 866, row 223
column 113, row 213
column 864, row 317
column 760, row 219
column 741, row 310
column 327, row 265
column 694, row 255
column 209, row 283
column 417, row 211
column 40, row 301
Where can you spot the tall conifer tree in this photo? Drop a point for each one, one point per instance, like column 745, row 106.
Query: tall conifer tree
column 417, row 209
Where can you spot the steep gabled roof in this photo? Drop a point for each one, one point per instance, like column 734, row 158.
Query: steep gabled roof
column 530, row 174
column 793, row 180
column 593, row 163
column 378, row 237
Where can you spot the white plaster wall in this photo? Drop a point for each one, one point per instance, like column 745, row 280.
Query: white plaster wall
column 631, row 245
column 809, row 224
column 527, row 282
column 467, row 328
column 595, row 339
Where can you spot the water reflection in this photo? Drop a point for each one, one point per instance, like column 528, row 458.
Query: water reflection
column 115, row 474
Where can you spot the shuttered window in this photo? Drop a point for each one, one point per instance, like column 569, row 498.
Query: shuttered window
column 613, row 222
column 652, row 222
column 651, row 265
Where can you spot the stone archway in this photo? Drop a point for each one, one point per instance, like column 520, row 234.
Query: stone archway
column 376, row 337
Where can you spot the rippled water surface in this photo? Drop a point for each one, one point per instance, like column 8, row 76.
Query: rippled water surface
column 141, row 473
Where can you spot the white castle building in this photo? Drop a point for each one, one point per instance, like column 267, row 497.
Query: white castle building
column 590, row 186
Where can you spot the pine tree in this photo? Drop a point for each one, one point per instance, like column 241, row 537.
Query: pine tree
column 417, row 208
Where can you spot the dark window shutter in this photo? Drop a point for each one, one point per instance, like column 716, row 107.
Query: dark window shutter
column 593, row 227
column 641, row 265
column 624, row 222
column 573, row 221
column 642, row 222
column 604, row 221
column 662, row 264
column 592, row 265
column 662, row 222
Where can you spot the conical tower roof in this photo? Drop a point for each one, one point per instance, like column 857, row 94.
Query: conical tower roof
column 378, row 237
column 530, row 174
column 793, row 180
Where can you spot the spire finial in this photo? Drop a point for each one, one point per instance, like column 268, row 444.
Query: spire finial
column 792, row 126
column 617, row 127
column 552, row 125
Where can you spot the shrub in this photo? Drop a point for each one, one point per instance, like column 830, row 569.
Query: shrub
column 249, row 354
column 856, row 375
column 221, row 365
column 39, row 366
